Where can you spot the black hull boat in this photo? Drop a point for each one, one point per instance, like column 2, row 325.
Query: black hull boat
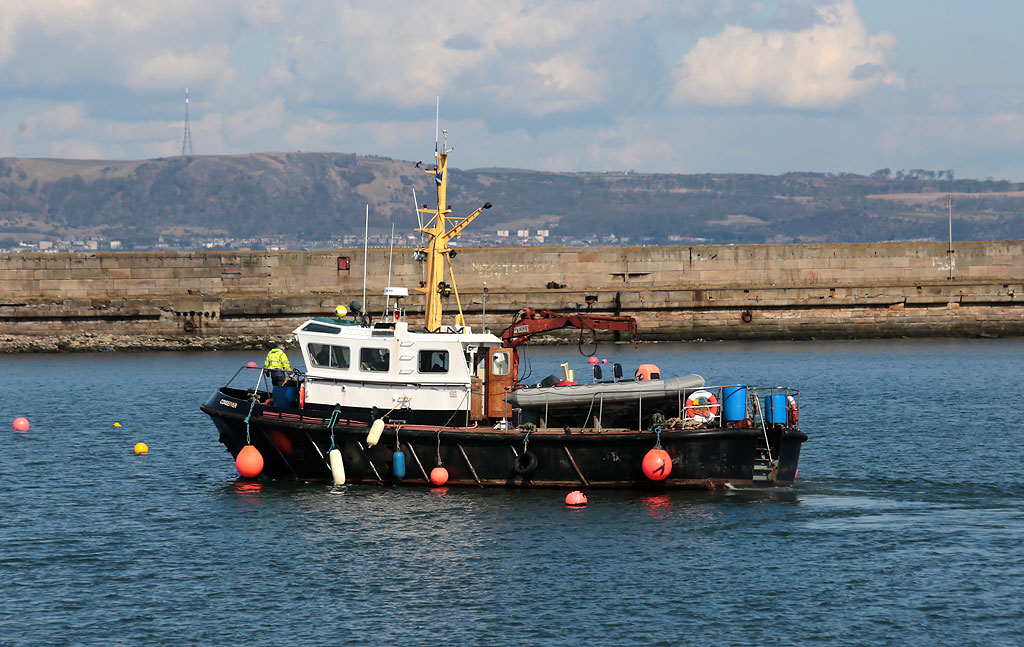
column 381, row 402
column 295, row 445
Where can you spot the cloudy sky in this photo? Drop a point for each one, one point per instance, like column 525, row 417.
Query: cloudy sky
column 683, row 86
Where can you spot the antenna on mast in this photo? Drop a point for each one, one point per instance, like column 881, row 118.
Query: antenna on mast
column 366, row 239
column 187, row 138
column 437, row 123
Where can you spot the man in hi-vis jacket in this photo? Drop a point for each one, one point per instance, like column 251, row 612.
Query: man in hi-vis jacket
column 277, row 364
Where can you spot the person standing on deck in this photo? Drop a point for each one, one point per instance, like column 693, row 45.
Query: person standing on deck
column 277, row 364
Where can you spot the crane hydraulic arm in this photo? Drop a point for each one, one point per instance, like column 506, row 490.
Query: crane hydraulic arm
column 529, row 323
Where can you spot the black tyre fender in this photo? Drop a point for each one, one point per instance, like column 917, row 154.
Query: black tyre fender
column 525, row 463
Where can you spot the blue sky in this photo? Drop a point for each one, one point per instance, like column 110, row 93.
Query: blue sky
column 687, row 86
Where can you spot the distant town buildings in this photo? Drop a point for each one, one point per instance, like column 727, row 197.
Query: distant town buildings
column 492, row 238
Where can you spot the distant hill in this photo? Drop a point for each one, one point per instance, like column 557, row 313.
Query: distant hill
column 315, row 196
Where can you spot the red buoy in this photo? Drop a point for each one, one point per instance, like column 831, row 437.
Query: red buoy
column 249, row 462
column 439, row 476
column 253, row 365
column 21, row 424
column 575, row 499
column 657, row 464
column 593, row 360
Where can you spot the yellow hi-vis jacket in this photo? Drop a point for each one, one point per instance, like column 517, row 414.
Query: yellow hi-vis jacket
column 276, row 359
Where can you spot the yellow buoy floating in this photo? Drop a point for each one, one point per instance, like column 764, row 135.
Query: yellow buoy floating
column 376, row 429
column 117, row 424
column 141, row 448
column 337, row 466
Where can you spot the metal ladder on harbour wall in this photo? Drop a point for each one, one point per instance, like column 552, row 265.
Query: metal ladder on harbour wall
column 764, row 465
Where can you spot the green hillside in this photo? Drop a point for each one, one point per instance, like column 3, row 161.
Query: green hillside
column 315, row 196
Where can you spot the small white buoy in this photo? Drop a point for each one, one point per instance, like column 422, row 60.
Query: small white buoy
column 376, row 429
column 337, row 466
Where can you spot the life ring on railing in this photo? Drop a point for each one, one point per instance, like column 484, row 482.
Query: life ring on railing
column 701, row 406
column 792, row 409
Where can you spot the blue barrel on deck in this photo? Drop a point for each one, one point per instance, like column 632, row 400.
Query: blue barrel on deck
column 775, row 409
column 734, row 405
column 285, row 396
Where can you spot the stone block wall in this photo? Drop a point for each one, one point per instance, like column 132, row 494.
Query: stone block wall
column 789, row 291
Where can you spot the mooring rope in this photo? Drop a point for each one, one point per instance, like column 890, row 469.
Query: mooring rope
column 252, row 406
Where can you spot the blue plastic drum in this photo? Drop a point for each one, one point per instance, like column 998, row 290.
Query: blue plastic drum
column 775, row 409
column 734, row 406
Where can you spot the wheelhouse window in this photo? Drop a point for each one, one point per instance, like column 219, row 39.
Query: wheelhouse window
column 433, row 361
column 374, row 359
column 501, row 364
column 329, row 355
column 319, row 327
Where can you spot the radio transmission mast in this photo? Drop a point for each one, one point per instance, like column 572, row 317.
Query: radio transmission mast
column 186, row 141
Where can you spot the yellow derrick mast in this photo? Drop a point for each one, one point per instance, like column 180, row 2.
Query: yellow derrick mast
column 436, row 250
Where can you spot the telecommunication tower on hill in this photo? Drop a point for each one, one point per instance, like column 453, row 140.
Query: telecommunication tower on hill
column 187, row 139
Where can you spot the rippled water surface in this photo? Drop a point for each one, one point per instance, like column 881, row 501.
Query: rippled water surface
column 905, row 527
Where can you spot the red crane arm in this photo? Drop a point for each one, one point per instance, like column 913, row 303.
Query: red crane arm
column 529, row 322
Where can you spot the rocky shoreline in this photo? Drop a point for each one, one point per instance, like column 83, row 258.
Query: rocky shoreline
column 93, row 343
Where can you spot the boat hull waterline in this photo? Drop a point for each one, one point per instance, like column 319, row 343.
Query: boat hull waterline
column 295, row 444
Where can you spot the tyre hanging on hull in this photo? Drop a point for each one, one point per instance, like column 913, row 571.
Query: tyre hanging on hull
column 525, row 463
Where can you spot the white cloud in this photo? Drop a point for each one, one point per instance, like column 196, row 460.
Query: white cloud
column 823, row 66
column 170, row 69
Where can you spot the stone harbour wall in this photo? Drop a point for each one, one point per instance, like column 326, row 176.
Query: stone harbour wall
column 226, row 299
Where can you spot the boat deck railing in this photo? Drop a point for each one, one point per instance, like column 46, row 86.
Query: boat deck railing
column 740, row 406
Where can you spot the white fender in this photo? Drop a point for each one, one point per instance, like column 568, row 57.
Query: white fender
column 376, row 429
column 337, row 466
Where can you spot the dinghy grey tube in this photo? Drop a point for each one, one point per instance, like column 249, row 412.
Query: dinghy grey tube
column 608, row 392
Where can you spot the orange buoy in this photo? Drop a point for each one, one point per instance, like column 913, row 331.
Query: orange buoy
column 21, row 424
column 439, row 475
column 575, row 499
column 657, row 464
column 249, row 462
column 141, row 448
column 252, row 365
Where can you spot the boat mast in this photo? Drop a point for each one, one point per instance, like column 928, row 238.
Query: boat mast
column 436, row 249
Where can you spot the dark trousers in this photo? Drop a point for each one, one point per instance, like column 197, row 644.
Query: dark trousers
column 277, row 376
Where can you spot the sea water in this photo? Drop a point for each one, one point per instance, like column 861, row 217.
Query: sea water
column 906, row 526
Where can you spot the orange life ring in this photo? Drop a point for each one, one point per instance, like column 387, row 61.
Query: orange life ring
column 701, row 406
column 302, row 396
column 792, row 409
